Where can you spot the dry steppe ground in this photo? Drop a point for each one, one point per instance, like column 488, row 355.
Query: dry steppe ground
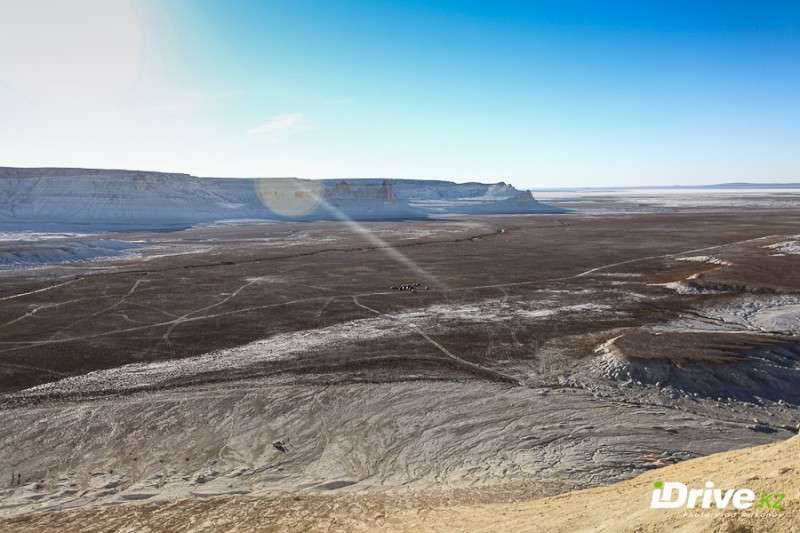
column 274, row 361
column 622, row 507
column 214, row 288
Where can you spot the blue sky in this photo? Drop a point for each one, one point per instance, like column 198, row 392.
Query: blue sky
column 540, row 94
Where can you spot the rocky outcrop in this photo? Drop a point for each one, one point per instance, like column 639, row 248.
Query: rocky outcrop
column 36, row 197
column 443, row 197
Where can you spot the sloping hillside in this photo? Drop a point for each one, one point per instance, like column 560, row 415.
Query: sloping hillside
column 622, row 507
column 625, row 506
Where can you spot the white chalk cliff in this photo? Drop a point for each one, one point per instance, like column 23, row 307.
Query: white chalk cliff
column 31, row 197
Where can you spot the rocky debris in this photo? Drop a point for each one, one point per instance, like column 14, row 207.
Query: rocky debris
column 786, row 247
column 769, row 373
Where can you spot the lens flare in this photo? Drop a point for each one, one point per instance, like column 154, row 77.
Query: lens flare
column 289, row 197
column 297, row 198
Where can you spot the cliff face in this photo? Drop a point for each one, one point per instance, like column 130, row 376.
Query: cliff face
column 113, row 197
column 154, row 199
column 446, row 197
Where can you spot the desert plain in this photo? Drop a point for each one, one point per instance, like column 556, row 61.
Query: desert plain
column 278, row 362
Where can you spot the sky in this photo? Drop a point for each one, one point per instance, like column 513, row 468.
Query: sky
column 539, row 93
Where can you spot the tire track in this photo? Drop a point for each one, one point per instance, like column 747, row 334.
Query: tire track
column 473, row 367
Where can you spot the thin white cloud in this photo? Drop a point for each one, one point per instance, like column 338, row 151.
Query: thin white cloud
column 281, row 125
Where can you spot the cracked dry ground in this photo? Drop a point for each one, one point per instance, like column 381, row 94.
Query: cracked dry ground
column 550, row 353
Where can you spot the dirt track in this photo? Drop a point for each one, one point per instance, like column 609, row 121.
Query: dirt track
column 551, row 353
column 188, row 304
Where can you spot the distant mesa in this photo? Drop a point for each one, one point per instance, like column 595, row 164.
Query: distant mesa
column 36, row 197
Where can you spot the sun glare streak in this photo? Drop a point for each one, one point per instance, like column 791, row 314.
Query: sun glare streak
column 293, row 197
column 289, row 197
